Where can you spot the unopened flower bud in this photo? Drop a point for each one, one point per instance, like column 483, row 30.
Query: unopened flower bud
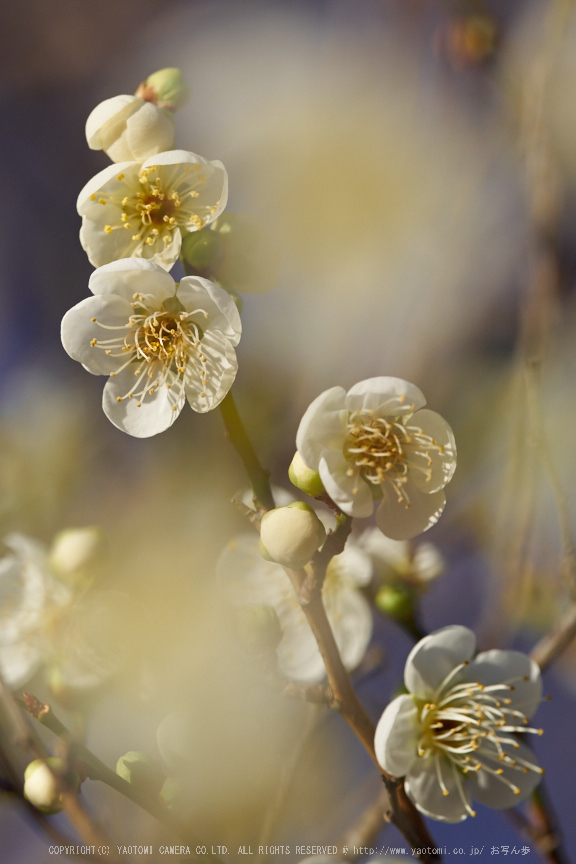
column 396, row 600
column 305, row 478
column 172, row 792
column 73, row 549
column 129, row 129
column 41, row 787
column 291, row 535
column 201, row 251
column 259, row 629
column 141, row 771
column 166, row 88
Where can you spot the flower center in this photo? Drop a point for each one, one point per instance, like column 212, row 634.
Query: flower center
column 159, row 344
column 469, row 717
column 154, row 206
column 384, row 448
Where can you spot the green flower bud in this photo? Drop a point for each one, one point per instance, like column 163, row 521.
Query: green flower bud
column 167, row 88
column 201, row 251
column 396, row 600
column 141, row 771
column 41, row 786
column 291, row 535
column 259, row 629
column 305, row 478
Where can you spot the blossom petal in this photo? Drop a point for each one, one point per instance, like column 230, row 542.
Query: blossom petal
column 396, row 739
column 435, row 656
column 423, row 788
column 133, row 275
column 323, row 426
column 353, row 566
column 196, row 293
column 221, row 366
column 351, row 621
column 149, row 131
column 106, row 121
column 513, row 668
column 157, row 410
column 443, row 464
column 386, row 396
column 246, row 578
column 106, row 179
column 492, row 790
column 19, row 661
column 78, row 330
column 349, row 491
column 298, row 655
column 400, row 522
column 395, row 553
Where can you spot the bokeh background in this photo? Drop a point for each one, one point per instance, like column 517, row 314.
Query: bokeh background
column 382, row 144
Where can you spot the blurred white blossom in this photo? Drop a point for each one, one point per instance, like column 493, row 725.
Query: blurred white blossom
column 161, row 343
column 45, row 622
column 135, row 209
column 376, row 441
column 398, row 560
column 247, row 579
column 453, row 735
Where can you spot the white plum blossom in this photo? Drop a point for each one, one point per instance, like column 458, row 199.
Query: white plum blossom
column 378, row 441
column 247, row 579
column 395, row 560
column 140, row 209
column 161, row 343
column 454, row 735
column 45, row 622
column 129, row 129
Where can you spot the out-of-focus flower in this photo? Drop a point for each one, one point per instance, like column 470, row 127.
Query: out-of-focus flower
column 247, row 579
column 378, row 440
column 46, row 622
column 396, row 560
column 72, row 549
column 41, row 785
column 166, row 88
column 453, row 735
column 160, row 342
column 469, row 40
column 135, row 209
column 291, row 535
column 129, row 129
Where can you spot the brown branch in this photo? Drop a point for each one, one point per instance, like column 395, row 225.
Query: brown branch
column 333, row 545
column 551, row 646
column 399, row 810
column 365, row 830
column 95, row 769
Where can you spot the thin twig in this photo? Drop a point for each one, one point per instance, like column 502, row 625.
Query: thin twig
column 365, row 830
column 238, row 436
column 551, row 646
column 97, row 770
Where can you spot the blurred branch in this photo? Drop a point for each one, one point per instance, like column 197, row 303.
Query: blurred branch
column 24, row 737
column 236, row 433
column 540, row 828
column 551, row 646
column 365, row 830
column 97, row 770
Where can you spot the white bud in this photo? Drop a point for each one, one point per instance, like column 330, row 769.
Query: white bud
column 291, row 535
column 72, row 549
column 41, row 786
column 129, row 129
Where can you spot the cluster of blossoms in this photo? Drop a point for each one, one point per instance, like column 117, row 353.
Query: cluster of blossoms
column 161, row 342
